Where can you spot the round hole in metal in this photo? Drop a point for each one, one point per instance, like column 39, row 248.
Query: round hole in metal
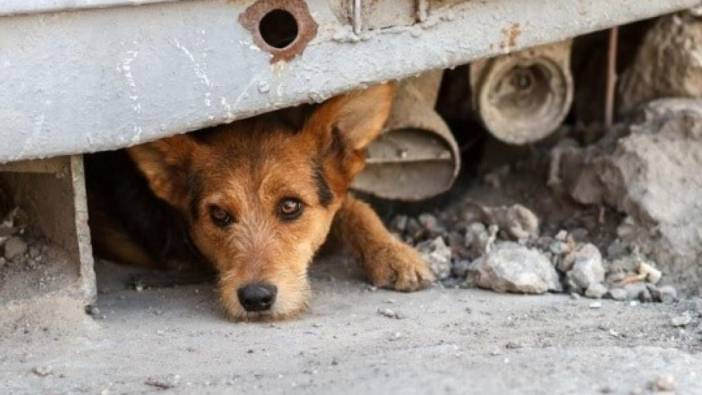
column 278, row 28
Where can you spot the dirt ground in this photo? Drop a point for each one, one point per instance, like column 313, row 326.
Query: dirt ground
column 176, row 340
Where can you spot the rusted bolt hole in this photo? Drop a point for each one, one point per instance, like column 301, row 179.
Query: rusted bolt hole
column 278, row 28
column 282, row 28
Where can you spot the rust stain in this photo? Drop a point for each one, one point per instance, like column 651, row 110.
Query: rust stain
column 509, row 36
column 306, row 26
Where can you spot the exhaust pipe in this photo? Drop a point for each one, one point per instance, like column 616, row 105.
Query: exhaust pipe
column 523, row 97
column 417, row 156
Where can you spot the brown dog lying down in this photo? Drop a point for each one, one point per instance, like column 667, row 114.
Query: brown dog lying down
column 256, row 199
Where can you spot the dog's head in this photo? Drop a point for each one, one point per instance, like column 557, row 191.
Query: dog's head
column 260, row 196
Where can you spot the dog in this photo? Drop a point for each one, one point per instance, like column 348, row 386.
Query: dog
column 256, row 199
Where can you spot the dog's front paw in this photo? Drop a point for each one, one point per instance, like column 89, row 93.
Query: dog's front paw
column 397, row 266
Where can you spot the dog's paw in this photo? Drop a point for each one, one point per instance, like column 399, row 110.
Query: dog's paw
column 398, row 266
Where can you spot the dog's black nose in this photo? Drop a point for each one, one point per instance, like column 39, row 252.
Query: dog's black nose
column 257, row 296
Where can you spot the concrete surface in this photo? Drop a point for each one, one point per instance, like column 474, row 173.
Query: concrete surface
column 447, row 341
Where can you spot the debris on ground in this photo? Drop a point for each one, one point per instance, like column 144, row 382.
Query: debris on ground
column 663, row 383
column 510, row 267
column 163, row 382
column 438, row 255
column 682, row 320
column 16, row 244
column 42, row 371
column 14, row 247
column 385, row 312
column 612, row 219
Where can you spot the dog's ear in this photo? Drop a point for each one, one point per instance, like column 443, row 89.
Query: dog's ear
column 166, row 165
column 343, row 126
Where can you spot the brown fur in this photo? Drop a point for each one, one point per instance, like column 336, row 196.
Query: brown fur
column 247, row 169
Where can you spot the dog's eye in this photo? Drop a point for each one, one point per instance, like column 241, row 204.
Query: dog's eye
column 220, row 216
column 290, row 209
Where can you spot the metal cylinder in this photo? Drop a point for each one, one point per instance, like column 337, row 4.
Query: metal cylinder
column 523, row 97
column 417, row 156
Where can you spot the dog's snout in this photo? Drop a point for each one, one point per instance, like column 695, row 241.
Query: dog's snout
column 257, row 296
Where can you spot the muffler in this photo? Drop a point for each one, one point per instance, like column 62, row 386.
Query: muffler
column 417, row 156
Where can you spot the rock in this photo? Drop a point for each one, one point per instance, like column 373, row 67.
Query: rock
column 510, row 267
column 438, row 255
column 652, row 275
column 42, row 371
column 682, row 320
column 663, row 383
column 559, row 247
column 92, row 310
column 414, row 229
column 164, row 382
column 432, row 226
column 596, row 291
column 518, row 221
column 399, row 223
column 665, row 294
column 635, row 290
column 477, row 239
column 14, row 247
column 647, row 175
column 385, row 312
column 584, row 267
column 596, row 305
column 460, row 268
column 666, row 63
column 618, row 294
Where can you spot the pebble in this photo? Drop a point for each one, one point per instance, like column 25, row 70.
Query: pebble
column 460, row 268
column 663, row 383
column 584, row 267
column 438, row 255
column 511, row 267
column 399, row 223
column 14, row 247
column 595, row 305
column 682, row 320
column 431, row 224
column 42, row 371
column 666, row 294
column 385, row 312
column 652, row 274
column 618, row 294
column 596, row 291
column 92, row 310
column 164, row 382
column 513, row 345
column 477, row 239
column 636, row 291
